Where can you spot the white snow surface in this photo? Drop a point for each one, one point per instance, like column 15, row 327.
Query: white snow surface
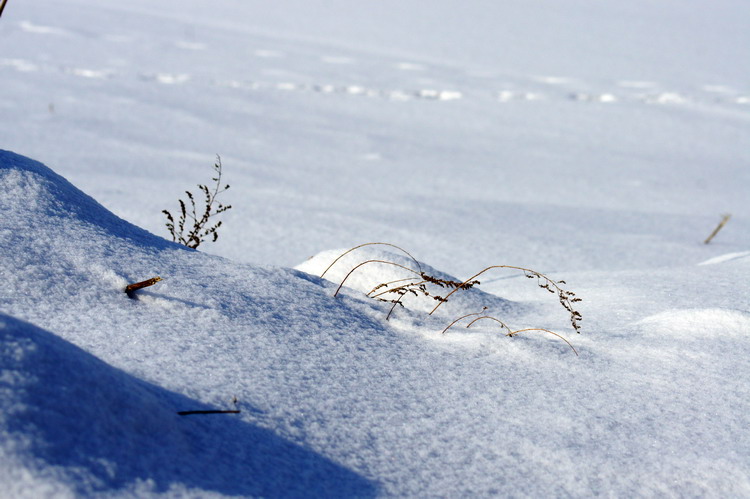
column 596, row 142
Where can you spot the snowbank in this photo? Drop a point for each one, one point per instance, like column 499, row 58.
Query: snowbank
column 335, row 401
column 73, row 425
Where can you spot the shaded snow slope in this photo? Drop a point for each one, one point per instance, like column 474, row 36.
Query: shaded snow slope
column 72, row 425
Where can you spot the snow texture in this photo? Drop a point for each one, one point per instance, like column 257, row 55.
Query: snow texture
column 598, row 144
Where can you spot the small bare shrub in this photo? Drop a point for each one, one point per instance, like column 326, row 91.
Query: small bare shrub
column 191, row 230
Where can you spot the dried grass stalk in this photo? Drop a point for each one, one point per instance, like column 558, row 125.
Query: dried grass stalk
column 567, row 298
column 724, row 220
column 512, row 333
column 371, row 244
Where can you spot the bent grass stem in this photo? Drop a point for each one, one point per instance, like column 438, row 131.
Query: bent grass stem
column 371, row 244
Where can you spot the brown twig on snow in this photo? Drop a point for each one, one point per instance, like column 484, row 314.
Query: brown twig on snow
column 724, row 220
column 190, row 413
column 132, row 288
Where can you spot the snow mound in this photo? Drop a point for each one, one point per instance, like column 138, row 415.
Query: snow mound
column 378, row 267
column 33, row 194
column 704, row 322
column 74, row 425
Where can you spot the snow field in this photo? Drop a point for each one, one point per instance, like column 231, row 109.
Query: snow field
column 597, row 144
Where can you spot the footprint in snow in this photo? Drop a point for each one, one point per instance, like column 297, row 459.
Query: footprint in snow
column 42, row 30
column 97, row 74
column 554, row 80
column 586, row 97
column 166, row 78
column 19, row 65
column 718, row 89
column 507, row 96
column 268, row 54
column 636, row 84
column 409, row 66
column 190, row 45
column 336, row 60
column 664, row 98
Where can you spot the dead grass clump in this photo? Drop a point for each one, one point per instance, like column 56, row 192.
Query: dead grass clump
column 567, row 298
column 421, row 284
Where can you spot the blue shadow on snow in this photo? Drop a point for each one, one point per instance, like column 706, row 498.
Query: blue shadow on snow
column 107, row 431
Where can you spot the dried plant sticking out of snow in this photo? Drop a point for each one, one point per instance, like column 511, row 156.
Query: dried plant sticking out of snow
column 510, row 332
column 201, row 228
column 418, row 285
column 567, row 298
column 421, row 284
column 372, row 244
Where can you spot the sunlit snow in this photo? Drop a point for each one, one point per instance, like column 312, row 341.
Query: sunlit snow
column 597, row 143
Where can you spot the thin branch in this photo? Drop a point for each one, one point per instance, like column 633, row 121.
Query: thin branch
column 404, row 287
column 463, row 317
column 201, row 229
column 545, row 331
column 482, row 272
column 724, row 220
column 385, row 284
column 2, row 6
column 130, row 289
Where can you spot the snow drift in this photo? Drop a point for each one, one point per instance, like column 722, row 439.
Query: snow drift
column 73, row 425
column 335, row 401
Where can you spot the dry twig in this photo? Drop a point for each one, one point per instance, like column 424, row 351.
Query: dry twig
column 724, row 219
column 190, row 413
column 130, row 289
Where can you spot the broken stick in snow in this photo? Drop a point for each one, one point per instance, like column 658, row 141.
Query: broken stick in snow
column 188, row 413
column 724, row 220
column 130, row 289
